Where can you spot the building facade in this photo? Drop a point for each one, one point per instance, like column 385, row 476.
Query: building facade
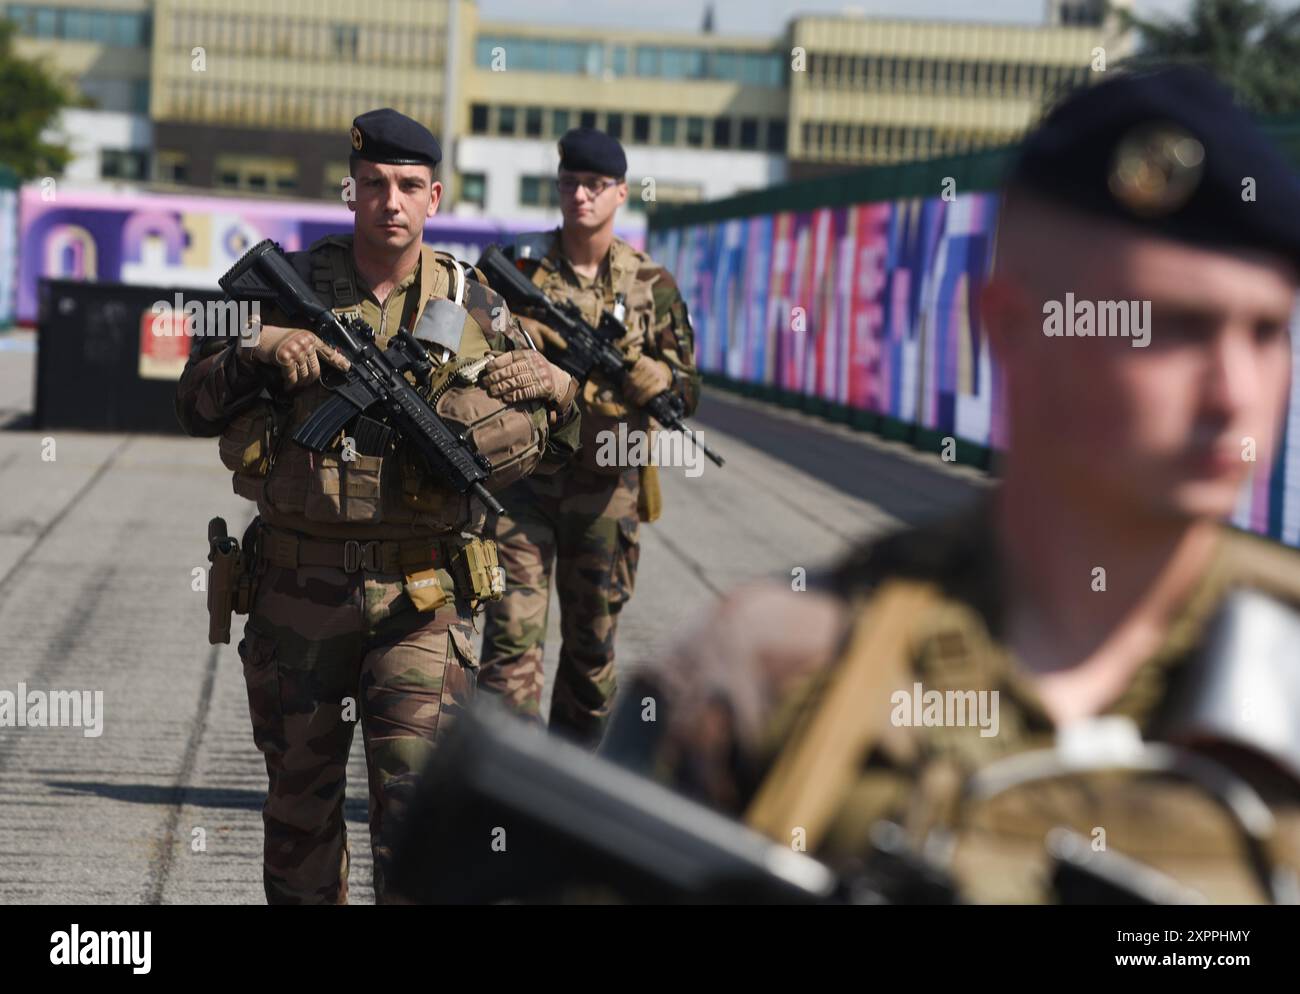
column 100, row 50
column 254, row 96
column 258, row 95
column 701, row 116
column 871, row 90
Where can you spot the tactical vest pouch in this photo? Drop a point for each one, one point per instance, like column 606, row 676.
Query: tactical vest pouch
column 245, row 449
column 428, row 590
column 476, row 564
column 245, row 445
column 343, row 490
column 511, row 437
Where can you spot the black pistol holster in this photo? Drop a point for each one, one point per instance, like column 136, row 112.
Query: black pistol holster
column 231, row 579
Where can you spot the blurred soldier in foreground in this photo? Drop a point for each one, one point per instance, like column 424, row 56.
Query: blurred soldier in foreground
column 364, row 570
column 586, row 518
column 911, row 684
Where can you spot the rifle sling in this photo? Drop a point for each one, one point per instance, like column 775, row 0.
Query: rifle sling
column 838, row 730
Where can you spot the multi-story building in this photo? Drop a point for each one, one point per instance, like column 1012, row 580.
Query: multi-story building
column 255, row 96
column 871, row 90
column 100, row 49
column 701, row 116
column 258, row 95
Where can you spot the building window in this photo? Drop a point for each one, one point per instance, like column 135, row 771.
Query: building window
column 559, row 123
column 618, row 60
column 683, row 63
column 641, row 128
column 776, row 136
column 722, row 132
column 47, row 23
column 172, row 166
column 647, row 61
column 478, row 119
column 538, row 191
column 695, row 132
column 565, row 57
column 127, row 164
column 256, row 173
column 749, row 132
column 533, row 122
column 667, row 130
column 473, row 189
column 345, row 41
column 614, row 126
column 587, row 119
column 505, row 120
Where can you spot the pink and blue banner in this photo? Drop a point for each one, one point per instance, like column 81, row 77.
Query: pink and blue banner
column 168, row 240
column 873, row 306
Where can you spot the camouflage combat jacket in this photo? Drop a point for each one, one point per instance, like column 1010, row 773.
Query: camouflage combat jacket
column 740, row 693
column 367, row 497
column 656, row 320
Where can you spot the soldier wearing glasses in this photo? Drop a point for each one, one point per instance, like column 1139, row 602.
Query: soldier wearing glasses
column 585, row 518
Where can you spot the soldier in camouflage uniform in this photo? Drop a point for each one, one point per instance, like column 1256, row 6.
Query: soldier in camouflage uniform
column 796, row 710
column 367, row 570
column 585, row 519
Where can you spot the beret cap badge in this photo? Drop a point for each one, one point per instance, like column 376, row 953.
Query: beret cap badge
column 1156, row 169
column 356, row 138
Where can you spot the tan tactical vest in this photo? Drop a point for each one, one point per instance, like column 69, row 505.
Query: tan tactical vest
column 601, row 404
column 379, row 496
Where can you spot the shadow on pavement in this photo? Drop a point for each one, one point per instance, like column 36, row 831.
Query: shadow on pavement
column 354, row 808
column 910, row 491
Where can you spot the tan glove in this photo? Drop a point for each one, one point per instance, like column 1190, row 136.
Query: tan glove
column 647, row 379
column 524, row 374
column 543, row 334
column 297, row 353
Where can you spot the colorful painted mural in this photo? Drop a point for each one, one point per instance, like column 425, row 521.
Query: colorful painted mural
column 873, row 306
column 166, row 240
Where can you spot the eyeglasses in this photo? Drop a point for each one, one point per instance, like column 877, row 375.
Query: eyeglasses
column 569, row 186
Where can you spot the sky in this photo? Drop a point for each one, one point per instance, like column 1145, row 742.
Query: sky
column 769, row 17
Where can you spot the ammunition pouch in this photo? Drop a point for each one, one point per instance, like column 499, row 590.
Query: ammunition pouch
column 246, row 448
column 477, row 561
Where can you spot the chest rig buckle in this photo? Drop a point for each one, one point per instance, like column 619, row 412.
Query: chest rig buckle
column 360, row 555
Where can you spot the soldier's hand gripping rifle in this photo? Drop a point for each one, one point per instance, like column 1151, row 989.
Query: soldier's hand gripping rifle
column 588, row 349
column 376, row 381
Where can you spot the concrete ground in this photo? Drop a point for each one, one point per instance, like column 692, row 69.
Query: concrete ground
column 97, row 546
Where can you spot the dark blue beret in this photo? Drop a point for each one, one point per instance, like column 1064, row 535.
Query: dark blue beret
column 1168, row 150
column 586, row 150
column 386, row 136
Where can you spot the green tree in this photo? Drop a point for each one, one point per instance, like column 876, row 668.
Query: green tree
column 1250, row 45
column 30, row 100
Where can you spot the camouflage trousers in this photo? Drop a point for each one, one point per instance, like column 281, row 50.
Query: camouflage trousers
column 322, row 649
column 587, row 524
